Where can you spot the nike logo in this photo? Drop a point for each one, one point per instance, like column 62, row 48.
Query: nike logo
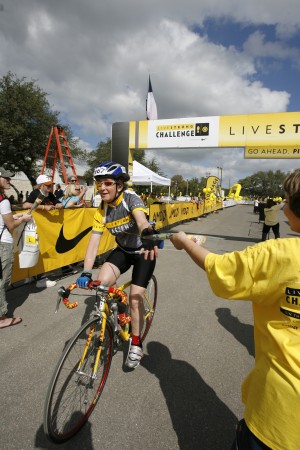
column 64, row 245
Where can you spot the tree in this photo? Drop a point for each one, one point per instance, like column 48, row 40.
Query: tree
column 25, row 123
column 101, row 153
column 264, row 184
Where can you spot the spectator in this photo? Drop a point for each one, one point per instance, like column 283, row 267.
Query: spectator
column 73, row 196
column 255, row 209
column 8, row 222
column 72, row 179
column 44, row 184
column 27, row 195
column 58, row 193
column 151, row 199
column 267, row 274
column 20, row 197
column 271, row 219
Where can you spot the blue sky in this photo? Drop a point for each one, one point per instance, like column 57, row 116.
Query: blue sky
column 205, row 57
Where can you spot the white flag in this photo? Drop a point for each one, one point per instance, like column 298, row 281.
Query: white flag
column 151, row 108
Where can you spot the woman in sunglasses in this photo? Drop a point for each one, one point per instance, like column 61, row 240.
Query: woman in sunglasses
column 123, row 214
column 73, row 196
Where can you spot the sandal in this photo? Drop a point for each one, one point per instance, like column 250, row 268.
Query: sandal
column 9, row 321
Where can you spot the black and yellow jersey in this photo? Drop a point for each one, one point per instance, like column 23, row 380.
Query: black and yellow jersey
column 118, row 219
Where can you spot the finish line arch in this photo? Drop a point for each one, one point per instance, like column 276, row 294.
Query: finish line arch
column 265, row 136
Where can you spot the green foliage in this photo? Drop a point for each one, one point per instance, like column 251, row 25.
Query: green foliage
column 263, row 184
column 193, row 186
column 101, row 153
column 25, row 123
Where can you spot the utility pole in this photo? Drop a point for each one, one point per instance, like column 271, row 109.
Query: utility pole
column 221, row 172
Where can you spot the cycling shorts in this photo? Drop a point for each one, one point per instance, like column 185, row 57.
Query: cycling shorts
column 142, row 268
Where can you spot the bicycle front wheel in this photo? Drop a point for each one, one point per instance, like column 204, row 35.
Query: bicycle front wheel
column 150, row 301
column 78, row 380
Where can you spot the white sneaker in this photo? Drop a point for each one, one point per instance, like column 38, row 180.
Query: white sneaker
column 44, row 282
column 135, row 354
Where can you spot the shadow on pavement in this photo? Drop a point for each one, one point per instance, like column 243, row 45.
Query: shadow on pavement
column 243, row 333
column 200, row 419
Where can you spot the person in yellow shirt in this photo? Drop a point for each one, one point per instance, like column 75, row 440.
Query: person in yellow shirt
column 270, row 279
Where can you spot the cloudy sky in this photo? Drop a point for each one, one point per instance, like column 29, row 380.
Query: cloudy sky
column 205, row 58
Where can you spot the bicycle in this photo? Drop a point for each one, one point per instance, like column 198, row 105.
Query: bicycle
column 82, row 370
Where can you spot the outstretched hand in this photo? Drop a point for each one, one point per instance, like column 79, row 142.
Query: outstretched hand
column 178, row 240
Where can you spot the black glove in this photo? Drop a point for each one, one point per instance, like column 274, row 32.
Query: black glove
column 147, row 243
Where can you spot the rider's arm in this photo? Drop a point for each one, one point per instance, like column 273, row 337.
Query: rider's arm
column 141, row 220
column 142, row 223
column 92, row 250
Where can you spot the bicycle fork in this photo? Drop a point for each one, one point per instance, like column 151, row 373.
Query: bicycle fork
column 79, row 370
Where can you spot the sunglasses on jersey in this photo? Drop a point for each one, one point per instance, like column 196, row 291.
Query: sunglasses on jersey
column 105, row 183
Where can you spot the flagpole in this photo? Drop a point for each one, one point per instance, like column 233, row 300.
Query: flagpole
column 151, row 108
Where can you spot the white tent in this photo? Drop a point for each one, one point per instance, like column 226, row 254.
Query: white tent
column 145, row 177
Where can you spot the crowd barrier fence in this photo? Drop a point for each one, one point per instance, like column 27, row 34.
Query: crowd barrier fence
column 64, row 234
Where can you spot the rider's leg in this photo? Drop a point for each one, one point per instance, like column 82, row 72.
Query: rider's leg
column 108, row 274
column 135, row 352
column 136, row 308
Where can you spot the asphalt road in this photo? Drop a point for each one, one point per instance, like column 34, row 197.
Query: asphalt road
column 186, row 393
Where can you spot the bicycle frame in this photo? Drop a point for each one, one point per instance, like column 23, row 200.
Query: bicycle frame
column 82, row 370
column 106, row 311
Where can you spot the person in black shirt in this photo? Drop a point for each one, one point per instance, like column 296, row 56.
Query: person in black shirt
column 58, row 192
column 44, row 184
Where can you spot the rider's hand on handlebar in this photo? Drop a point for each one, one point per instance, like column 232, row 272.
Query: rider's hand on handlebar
column 84, row 280
column 150, row 247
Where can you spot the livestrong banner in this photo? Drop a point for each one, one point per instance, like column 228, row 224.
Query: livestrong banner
column 274, row 135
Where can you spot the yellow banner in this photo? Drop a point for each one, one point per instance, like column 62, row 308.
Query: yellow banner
column 63, row 236
column 275, row 129
column 273, row 152
column 259, row 130
column 168, row 214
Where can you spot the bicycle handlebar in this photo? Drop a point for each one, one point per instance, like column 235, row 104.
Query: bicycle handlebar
column 198, row 238
column 64, row 293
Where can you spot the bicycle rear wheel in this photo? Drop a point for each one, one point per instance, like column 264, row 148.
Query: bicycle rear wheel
column 73, row 392
column 150, row 301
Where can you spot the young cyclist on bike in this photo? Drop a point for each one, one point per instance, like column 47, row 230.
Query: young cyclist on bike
column 123, row 214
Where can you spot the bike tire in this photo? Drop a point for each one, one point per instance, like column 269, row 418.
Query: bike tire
column 72, row 397
column 150, row 302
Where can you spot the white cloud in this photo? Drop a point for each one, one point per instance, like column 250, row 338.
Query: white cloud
column 93, row 58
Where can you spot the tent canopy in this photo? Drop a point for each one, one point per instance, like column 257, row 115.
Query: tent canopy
column 145, row 177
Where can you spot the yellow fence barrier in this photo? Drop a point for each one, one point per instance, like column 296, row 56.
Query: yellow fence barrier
column 64, row 234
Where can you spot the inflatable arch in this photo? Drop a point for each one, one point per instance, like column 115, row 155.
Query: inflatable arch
column 234, row 192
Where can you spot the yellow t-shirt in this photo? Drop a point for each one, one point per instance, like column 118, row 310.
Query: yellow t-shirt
column 268, row 274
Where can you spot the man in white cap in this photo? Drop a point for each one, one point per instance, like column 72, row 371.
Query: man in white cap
column 44, row 185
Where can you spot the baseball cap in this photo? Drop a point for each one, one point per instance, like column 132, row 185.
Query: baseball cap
column 6, row 173
column 44, row 179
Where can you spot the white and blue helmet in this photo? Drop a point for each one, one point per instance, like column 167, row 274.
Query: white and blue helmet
column 110, row 169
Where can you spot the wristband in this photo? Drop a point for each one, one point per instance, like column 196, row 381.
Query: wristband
column 86, row 272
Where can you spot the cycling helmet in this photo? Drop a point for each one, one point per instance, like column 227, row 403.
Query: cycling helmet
column 112, row 170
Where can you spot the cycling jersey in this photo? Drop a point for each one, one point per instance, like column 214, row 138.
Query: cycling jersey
column 119, row 221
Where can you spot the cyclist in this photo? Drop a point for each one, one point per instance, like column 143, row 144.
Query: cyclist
column 123, row 214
